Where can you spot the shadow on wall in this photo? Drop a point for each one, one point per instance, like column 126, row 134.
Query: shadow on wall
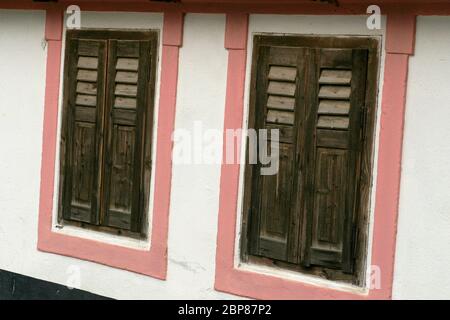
column 14, row 286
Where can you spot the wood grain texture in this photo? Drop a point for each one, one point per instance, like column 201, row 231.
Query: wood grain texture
column 321, row 119
column 105, row 148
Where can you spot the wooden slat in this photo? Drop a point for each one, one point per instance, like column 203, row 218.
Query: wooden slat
column 329, row 76
column 127, row 64
column 127, row 90
column 281, row 88
column 336, row 58
column 87, row 75
column 286, row 133
column 88, row 48
column 124, row 117
column 126, row 77
column 88, row 63
column 281, row 103
column 125, row 103
column 87, row 88
column 282, row 73
column 128, row 48
column 85, row 114
column 332, row 139
column 85, row 100
column 280, row 117
column 328, row 122
column 334, row 107
column 334, row 92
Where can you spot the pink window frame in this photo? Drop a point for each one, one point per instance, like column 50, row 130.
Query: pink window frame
column 400, row 35
column 152, row 262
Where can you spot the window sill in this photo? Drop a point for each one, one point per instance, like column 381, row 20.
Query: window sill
column 107, row 238
column 301, row 278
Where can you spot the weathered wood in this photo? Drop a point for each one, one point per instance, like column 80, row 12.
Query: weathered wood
column 124, row 117
column 283, row 73
column 85, row 100
column 128, row 148
column 334, row 92
column 127, row 64
column 328, row 62
column 281, row 117
column 126, row 77
column 87, row 88
column 85, row 114
column 81, row 145
column 119, row 161
column 87, row 75
column 128, row 48
column 332, row 139
column 332, row 76
column 126, row 103
column 88, row 48
column 336, row 58
column 281, row 88
column 274, row 227
column 88, row 63
column 334, row 107
column 281, row 103
column 126, row 90
column 328, row 122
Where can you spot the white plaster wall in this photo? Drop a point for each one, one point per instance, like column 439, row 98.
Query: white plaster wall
column 193, row 216
column 423, row 241
column 22, row 75
column 423, row 238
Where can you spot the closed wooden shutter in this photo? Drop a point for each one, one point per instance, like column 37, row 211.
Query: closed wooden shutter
column 107, row 128
column 81, row 139
column 274, row 218
column 128, row 89
column 311, row 214
column 333, row 148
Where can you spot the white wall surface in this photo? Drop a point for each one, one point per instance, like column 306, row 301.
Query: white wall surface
column 193, row 216
column 423, row 241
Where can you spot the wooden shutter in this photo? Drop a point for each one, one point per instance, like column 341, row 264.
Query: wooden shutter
column 82, row 129
column 274, row 227
column 334, row 138
column 128, row 89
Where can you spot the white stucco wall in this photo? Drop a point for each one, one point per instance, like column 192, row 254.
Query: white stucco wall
column 193, row 216
column 423, row 241
column 423, row 238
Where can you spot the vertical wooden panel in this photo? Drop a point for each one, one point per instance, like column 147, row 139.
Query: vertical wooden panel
column 81, row 148
column 274, row 228
column 331, row 209
column 124, row 184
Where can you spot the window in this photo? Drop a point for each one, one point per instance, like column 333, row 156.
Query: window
column 106, row 140
column 319, row 92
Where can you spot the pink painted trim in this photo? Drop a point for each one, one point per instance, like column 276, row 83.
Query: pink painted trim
column 173, row 34
column 151, row 262
column 250, row 284
column 399, row 23
column 389, row 168
column 236, row 33
column 54, row 24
